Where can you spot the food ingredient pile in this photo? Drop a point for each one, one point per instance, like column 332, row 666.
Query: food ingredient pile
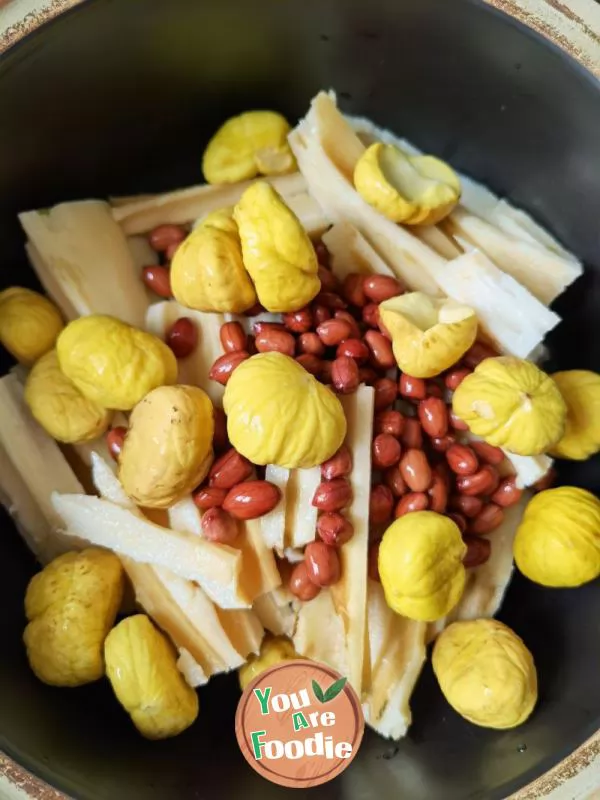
column 296, row 411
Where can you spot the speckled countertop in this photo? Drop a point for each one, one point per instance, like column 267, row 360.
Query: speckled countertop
column 574, row 25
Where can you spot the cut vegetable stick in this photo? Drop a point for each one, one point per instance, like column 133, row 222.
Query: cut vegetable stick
column 487, row 584
column 543, row 272
column 185, row 613
column 327, row 149
column 50, row 283
column 273, row 524
column 438, row 240
column 143, row 255
column 32, row 468
column 187, row 205
column 231, row 634
column 128, row 199
column 259, row 573
column 320, row 634
column 522, row 226
column 350, row 593
column 277, row 617
column 350, row 252
column 507, row 312
column 215, row 567
column 190, row 669
column 529, row 469
column 397, row 654
column 194, row 369
column 85, row 253
column 185, row 516
column 300, row 514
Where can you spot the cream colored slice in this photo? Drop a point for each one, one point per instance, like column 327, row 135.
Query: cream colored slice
column 438, row 240
column 300, row 514
column 320, row 633
column 190, row 669
column 86, row 254
column 50, row 283
column 194, row 369
column 185, row 516
column 522, row 226
column 273, row 524
column 543, row 272
column 351, row 252
column 277, row 617
column 107, row 525
column 512, row 317
column 243, row 628
column 350, row 593
column 128, row 199
column 259, row 573
column 327, row 149
column 184, row 206
column 32, row 468
column 397, row 654
column 529, row 469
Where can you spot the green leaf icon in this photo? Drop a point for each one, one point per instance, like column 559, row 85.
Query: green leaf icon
column 318, row 692
column 335, row 689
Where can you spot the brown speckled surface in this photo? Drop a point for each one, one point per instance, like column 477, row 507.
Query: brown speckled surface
column 573, row 25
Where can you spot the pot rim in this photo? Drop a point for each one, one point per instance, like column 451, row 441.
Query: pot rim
column 562, row 27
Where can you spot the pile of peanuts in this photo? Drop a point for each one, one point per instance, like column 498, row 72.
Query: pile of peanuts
column 321, row 565
column 420, row 458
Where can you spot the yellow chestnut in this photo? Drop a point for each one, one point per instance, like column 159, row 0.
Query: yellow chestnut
column 428, row 334
column 276, row 249
column 415, row 190
column 486, row 673
column 558, row 540
column 580, row 389
column 253, row 143
column 168, row 448
column 207, row 271
column 29, row 324
column 511, row 403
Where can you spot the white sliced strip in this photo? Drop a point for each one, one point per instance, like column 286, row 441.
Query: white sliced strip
column 529, row 469
column 520, row 225
column 397, row 654
column 128, row 199
column 170, row 599
column 185, row 516
column 50, row 283
column 194, row 369
column 32, row 467
column 320, row 634
column 215, row 567
column 185, row 613
column 85, row 253
column 487, row 584
column 187, row 205
column 327, row 149
column 143, row 255
column 273, row 524
column 259, row 573
column 350, row 593
column 507, row 312
column 300, row 514
column 545, row 273
column 277, row 617
column 350, row 252
column 438, row 240
column 190, row 669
